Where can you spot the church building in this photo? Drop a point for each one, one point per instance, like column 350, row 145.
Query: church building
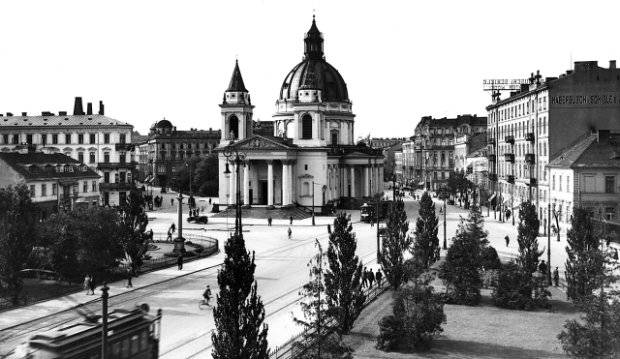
column 311, row 157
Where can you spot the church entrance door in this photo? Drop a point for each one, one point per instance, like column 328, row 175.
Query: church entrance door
column 262, row 192
column 251, row 196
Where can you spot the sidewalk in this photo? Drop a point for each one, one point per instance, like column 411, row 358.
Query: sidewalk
column 49, row 307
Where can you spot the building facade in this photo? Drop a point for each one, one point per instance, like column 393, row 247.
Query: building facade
column 100, row 142
column 433, row 147
column 531, row 127
column 470, row 157
column 310, row 158
column 55, row 181
column 168, row 150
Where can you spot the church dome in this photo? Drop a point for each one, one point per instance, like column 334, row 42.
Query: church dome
column 314, row 73
column 163, row 124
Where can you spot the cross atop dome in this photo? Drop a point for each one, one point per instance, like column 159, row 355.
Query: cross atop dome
column 236, row 81
column 313, row 41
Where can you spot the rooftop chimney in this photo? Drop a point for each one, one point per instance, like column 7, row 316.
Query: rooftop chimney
column 89, row 108
column 62, row 113
column 78, row 109
column 24, row 113
column 612, row 64
column 101, row 108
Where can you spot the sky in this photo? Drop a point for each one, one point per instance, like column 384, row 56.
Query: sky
column 402, row 60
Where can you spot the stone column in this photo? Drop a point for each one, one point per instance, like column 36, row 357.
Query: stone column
column 270, row 183
column 246, row 184
column 352, row 181
column 366, row 181
column 285, row 184
column 231, row 184
column 291, row 183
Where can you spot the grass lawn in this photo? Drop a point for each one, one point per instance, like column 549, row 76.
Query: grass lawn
column 37, row 289
column 484, row 331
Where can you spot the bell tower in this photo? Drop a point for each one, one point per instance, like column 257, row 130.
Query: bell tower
column 236, row 110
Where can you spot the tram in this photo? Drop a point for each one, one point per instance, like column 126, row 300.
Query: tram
column 131, row 334
column 367, row 212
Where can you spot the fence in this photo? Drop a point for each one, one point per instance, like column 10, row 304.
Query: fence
column 209, row 245
column 289, row 350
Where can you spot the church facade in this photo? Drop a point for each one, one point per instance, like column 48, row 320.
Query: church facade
column 311, row 157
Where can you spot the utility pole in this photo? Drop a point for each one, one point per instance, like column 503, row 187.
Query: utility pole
column 313, row 223
column 104, row 320
column 549, row 243
column 445, row 208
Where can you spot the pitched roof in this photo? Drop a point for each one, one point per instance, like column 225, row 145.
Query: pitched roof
column 236, row 81
column 590, row 153
column 35, row 165
column 59, row 121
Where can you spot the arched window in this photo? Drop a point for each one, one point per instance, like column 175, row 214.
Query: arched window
column 233, row 125
column 334, row 137
column 306, row 127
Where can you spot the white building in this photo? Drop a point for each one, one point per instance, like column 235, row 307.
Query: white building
column 102, row 143
column 311, row 156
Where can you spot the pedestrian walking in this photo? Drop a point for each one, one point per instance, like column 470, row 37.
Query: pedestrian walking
column 556, row 277
column 269, row 221
column 180, row 261
column 92, row 285
column 290, row 232
column 129, row 275
column 607, row 242
column 86, row 284
column 364, row 277
column 615, row 254
column 371, row 278
column 329, row 228
column 209, row 200
column 173, row 228
column 379, row 276
column 290, row 220
column 171, row 202
column 169, row 238
column 207, row 295
column 542, row 267
column 507, row 239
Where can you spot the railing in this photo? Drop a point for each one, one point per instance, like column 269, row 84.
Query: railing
column 530, row 158
column 533, row 182
column 116, row 165
column 492, row 158
column 509, row 157
column 510, row 139
column 529, row 137
column 510, row 179
column 290, row 351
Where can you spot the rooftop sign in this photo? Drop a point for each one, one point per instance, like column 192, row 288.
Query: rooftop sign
column 503, row 84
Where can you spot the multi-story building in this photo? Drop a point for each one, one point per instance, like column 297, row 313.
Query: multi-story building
column 409, row 159
column 380, row 142
column 531, row 128
column 434, row 142
column 587, row 174
column 55, row 181
column 94, row 139
column 398, row 163
column 470, row 157
column 169, row 149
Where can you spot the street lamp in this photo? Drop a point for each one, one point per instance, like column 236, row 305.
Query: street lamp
column 236, row 157
column 444, row 197
column 188, row 164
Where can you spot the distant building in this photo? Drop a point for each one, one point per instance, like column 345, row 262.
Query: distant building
column 169, row 149
column 587, row 174
column 91, row 138
column 470, row 157
column 530, row 128
column 433, row 144
column 55, row 180
column 398, row 162
column 381, row 142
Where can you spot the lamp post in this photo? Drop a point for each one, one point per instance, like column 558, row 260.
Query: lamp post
column 179, row 242
column 104, row 320
column 191, row 197
column 549, row 243
column 445, row 208
column 236, row 157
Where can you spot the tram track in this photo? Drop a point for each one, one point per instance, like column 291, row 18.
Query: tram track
column 16, row 334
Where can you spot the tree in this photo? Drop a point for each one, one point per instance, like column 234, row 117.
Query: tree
column 585, row 266
column 461, row 270
column 18, row 220
column 343, row 277
column 426, row 245
column 316, row 341
column 527, row 238
column 416, row 320
column 597, row 335
column 239, row 315
column 206, row 176
column 395, row 244
column 133, row 220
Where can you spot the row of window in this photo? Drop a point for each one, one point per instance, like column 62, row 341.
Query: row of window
column 519, row 130
column 182, row 146
column 53, row 189
column 119, row 177
column 520, row 109
column 589, row 184
column 53, row 138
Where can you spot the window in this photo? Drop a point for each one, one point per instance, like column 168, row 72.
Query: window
column 106, row 157
column 54, row 189
column 29, row 139
column 32, row 190
column 233, row 126
column 106, row 138
column 93, row 186
column 5, row 139
column 43, row 190
column 55, row 138
column 567, row 184
column 67, row 138
column 44, row 139
column 81, row 157
column 121, row 177
column 123, row 137
column 610, row 213
column 92, row 138
column 610, row 184
column 85, row 186
column 553, row 182
column 91, row 157
column 306, row 189
column 306, row 127
column 560, row 183
column 334, row 137
column 80, row 138
column 106, row 177
column 306, row 167
column 589, row 183
column 121, row 157
column 15, row 139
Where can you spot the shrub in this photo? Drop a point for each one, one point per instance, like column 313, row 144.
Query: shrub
column 489, row 259
column 417, row 318
column 515, row 289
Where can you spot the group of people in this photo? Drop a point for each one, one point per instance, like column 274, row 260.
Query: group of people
column 368, row 278
column 195, row 212
column 171, row 231
column 89, row 284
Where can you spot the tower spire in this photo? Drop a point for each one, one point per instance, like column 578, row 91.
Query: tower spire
column 236, row 81
column 313, row 42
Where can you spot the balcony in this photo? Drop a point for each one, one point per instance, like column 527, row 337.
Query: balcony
column 116, row 165
column 509, row 157
column 492, row 158
column 493, row 177
column 491, row 141
column 530, row 158
column 510, row 179
column 510, row 139
column 529, row 137
column 119, row 186
column 533, row 182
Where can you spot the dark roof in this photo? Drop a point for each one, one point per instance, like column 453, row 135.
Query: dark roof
column 476, row 142
column 136, row 137
column 472, row 120
column 236, row 81
column 593, row 151
column 59, row 121
column 38, row 165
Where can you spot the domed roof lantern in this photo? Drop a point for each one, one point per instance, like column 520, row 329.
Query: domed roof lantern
column 236, row 81
column 313, row 41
